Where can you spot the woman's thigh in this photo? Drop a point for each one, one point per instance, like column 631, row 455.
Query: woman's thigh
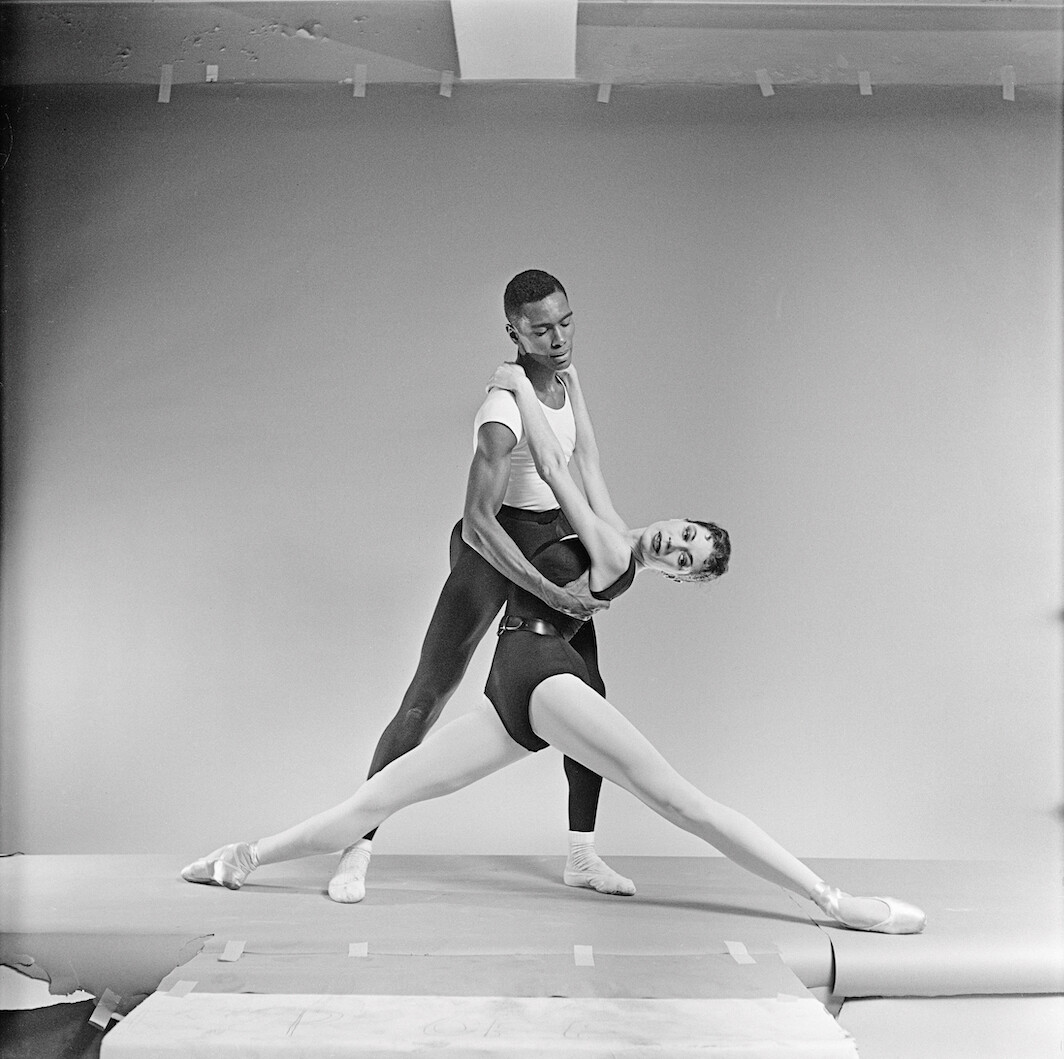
column 453, row 756
column 578, row 721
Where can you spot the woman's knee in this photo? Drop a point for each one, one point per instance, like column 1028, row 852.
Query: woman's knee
column 670, row 796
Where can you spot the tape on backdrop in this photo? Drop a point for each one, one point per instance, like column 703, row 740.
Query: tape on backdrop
column 583, row 956
column 446, row 83
column 361, row 72
column 180, row 989
column 212, row 74
column 166, row 80
column 738, row 952
column 604, row 92
column 232, row 952
column 105, row 1009
column 765, row 82
column 1008, row 83
column 358, row 948
column 864, row 79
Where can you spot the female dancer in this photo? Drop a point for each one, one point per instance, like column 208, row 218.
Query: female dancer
column 537, row 689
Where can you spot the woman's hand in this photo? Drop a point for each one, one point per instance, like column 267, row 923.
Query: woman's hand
column 568, row 376
column 509, row 376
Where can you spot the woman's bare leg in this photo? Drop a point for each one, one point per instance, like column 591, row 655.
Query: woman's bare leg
column 452, row 757
column 578, row 721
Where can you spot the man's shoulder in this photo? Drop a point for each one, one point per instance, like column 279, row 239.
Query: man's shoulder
column 499, row 406
column 498, row 398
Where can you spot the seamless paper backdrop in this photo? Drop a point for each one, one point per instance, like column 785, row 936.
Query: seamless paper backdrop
column 246, row 333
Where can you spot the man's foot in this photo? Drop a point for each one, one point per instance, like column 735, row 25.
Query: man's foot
column 228, row 866
column 348, row 884
column 586, row 868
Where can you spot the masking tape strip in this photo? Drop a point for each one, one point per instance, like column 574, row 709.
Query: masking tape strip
column 166, row 80
column 358, row 948
column 232, row 952
column 583, row 956
column 446, row 83
column 765, row 82
column 105, row 1009
column 182, row 988
column 864, row 79
column 361, row 72
column 212, row 74
column 738, row 952
column 1008, row 83
column 604, row 92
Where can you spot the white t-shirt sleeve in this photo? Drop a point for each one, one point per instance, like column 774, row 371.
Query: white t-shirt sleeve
column 500, row 406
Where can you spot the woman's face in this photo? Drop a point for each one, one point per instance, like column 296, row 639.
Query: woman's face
column 676, row 546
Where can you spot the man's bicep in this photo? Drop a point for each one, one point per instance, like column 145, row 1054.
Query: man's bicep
column 489, row 473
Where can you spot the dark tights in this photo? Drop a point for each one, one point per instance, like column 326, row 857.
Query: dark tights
column 472, row 597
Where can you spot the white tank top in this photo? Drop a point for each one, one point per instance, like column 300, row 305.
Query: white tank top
column 526, row 489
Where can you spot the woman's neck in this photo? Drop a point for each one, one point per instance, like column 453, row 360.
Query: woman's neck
column 635, row 542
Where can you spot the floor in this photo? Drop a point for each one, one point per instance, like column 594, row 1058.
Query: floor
column 704, row 947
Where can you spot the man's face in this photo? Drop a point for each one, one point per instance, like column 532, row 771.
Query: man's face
column 543, row 331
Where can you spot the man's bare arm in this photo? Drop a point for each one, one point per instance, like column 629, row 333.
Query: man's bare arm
column 489, row 474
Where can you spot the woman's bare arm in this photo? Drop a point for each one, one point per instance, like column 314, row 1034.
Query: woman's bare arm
column 586, row 455
column 609, row 551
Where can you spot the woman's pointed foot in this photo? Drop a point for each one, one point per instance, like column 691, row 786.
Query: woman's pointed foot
column 228, row 866
column 882, row 915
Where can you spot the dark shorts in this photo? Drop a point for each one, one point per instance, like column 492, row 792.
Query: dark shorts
column 523, row 660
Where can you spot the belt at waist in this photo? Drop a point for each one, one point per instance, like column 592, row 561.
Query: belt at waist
column 512, row 623
column 524, row 515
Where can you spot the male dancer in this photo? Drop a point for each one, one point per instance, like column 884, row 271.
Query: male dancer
column 509, row 513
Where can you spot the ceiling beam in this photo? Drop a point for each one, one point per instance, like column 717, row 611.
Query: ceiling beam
column 519, row 40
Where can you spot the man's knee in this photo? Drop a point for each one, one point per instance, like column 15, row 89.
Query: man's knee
column 422, row 706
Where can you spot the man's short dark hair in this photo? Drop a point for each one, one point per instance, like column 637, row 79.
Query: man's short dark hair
column 526, row 287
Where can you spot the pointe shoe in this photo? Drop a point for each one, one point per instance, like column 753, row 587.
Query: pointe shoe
column 903, row 918
column 227, row 866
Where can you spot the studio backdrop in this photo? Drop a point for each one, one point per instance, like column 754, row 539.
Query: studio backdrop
column 245, row 336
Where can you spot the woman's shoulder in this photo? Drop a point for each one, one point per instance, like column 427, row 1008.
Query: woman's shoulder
column 620, row 584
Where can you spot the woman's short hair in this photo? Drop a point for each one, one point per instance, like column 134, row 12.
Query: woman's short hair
column 713, row 567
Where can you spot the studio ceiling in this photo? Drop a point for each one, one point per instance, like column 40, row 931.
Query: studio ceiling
column 597, row 42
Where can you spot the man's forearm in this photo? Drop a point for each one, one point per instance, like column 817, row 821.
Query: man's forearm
column 484, row 535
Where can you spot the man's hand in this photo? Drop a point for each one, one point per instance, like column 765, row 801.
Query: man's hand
column 575, row 599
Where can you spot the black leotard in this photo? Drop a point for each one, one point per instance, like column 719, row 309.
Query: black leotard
column 524, row 659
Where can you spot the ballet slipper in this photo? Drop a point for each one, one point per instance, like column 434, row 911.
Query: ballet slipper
column 227, row 866
column 348, row 884
column 585, row 868
column 902, row 917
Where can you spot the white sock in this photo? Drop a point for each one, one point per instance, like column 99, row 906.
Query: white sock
column 348, row 884
column 586, row 868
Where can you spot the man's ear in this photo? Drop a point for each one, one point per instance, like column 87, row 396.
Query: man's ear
column 512, row 333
